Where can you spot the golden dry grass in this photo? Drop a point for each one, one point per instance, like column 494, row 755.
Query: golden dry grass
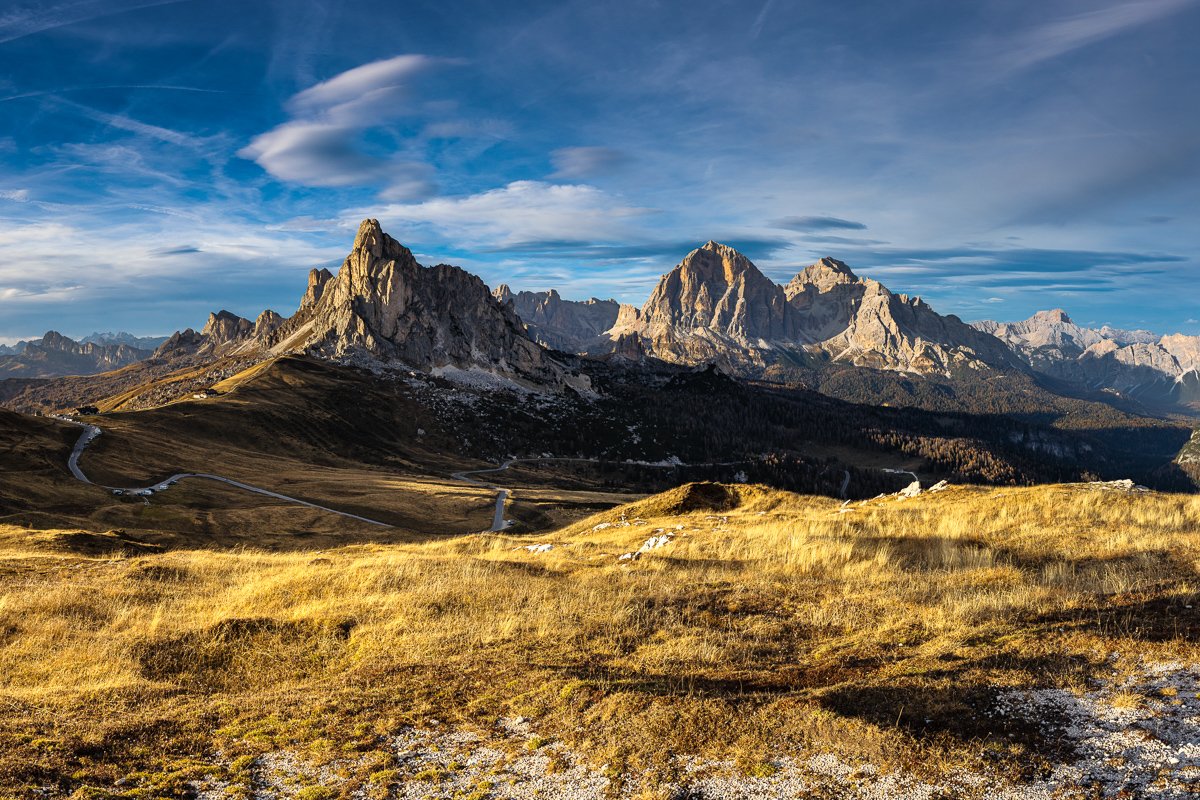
column 775, row 626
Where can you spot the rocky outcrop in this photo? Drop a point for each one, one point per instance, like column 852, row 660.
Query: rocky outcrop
column 714, row 307
column 223, row 334
column 267, row 323
column 55, row 355
column 317, row 279
column 572, row 326
column 180, row 344
column 717, row 307
column 859, row 321
column 224, row 327
column 382, row 306
column 1185, row 349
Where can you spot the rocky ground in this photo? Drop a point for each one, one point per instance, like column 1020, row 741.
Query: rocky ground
column 1134, row 738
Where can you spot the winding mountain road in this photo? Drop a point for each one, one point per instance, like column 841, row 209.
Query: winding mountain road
column 901, row 472
column 90, row 433
column 499, row 523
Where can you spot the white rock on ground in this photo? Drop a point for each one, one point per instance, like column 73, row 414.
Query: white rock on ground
column 1148, row 751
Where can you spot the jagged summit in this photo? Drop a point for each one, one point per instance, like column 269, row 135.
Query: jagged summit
column 1051, row 316
column 225, row 326
column 714, row 260
column 372, row 240
column 716, row 306
column 722, row 250
column 716, row 288
column 572, row 326
column 824, row 274
column 384, row 306
column 317, row 279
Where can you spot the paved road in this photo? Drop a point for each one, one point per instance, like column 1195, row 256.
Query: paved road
column 902, row 472
column 90, row 433
column 499, row 523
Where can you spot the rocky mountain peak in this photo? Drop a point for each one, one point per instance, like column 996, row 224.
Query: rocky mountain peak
column 371, row 240
column 1054, row 316
column 824, row 275
column 225, row 326
column 53, row 340
column 717, row 288
column 384, row 306
column 266, row 324
column 717, row 262
column 317, row 279
column 715, row 305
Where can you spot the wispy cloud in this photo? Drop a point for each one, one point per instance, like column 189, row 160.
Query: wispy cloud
column 322, row 145
column 818, row 224
column 523, row 212
column 1063, row 36
column 129, row 124
column 370, row 87
column 760, row 20
column 581, row 163
column 109, row 87
column 27, row 21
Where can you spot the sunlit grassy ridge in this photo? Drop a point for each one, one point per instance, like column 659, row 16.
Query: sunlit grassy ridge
column 770, row 623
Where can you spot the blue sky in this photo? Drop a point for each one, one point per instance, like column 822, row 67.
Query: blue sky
column 161, row 159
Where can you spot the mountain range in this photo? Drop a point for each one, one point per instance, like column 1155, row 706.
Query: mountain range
column 55, row 354
column 382, row 309
column 717, row 307
column 800, row 383
column 1161, row 371
column 827, row 328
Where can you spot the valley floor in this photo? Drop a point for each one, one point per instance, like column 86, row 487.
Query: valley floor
column 712, row 641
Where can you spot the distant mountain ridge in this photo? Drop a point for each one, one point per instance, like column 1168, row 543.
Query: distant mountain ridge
column 1157, row 370
column 54, row 355
column 570, row 325
column 108, row 337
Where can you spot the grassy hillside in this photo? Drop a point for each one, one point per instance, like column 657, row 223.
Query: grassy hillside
column 765, row 624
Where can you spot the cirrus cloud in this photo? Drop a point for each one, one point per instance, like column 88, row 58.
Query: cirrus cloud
column 574, row 163
column 323, row 144
column 524, row 213
column 818, row 224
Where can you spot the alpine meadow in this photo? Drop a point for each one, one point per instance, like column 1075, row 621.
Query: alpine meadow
column 612, row 402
